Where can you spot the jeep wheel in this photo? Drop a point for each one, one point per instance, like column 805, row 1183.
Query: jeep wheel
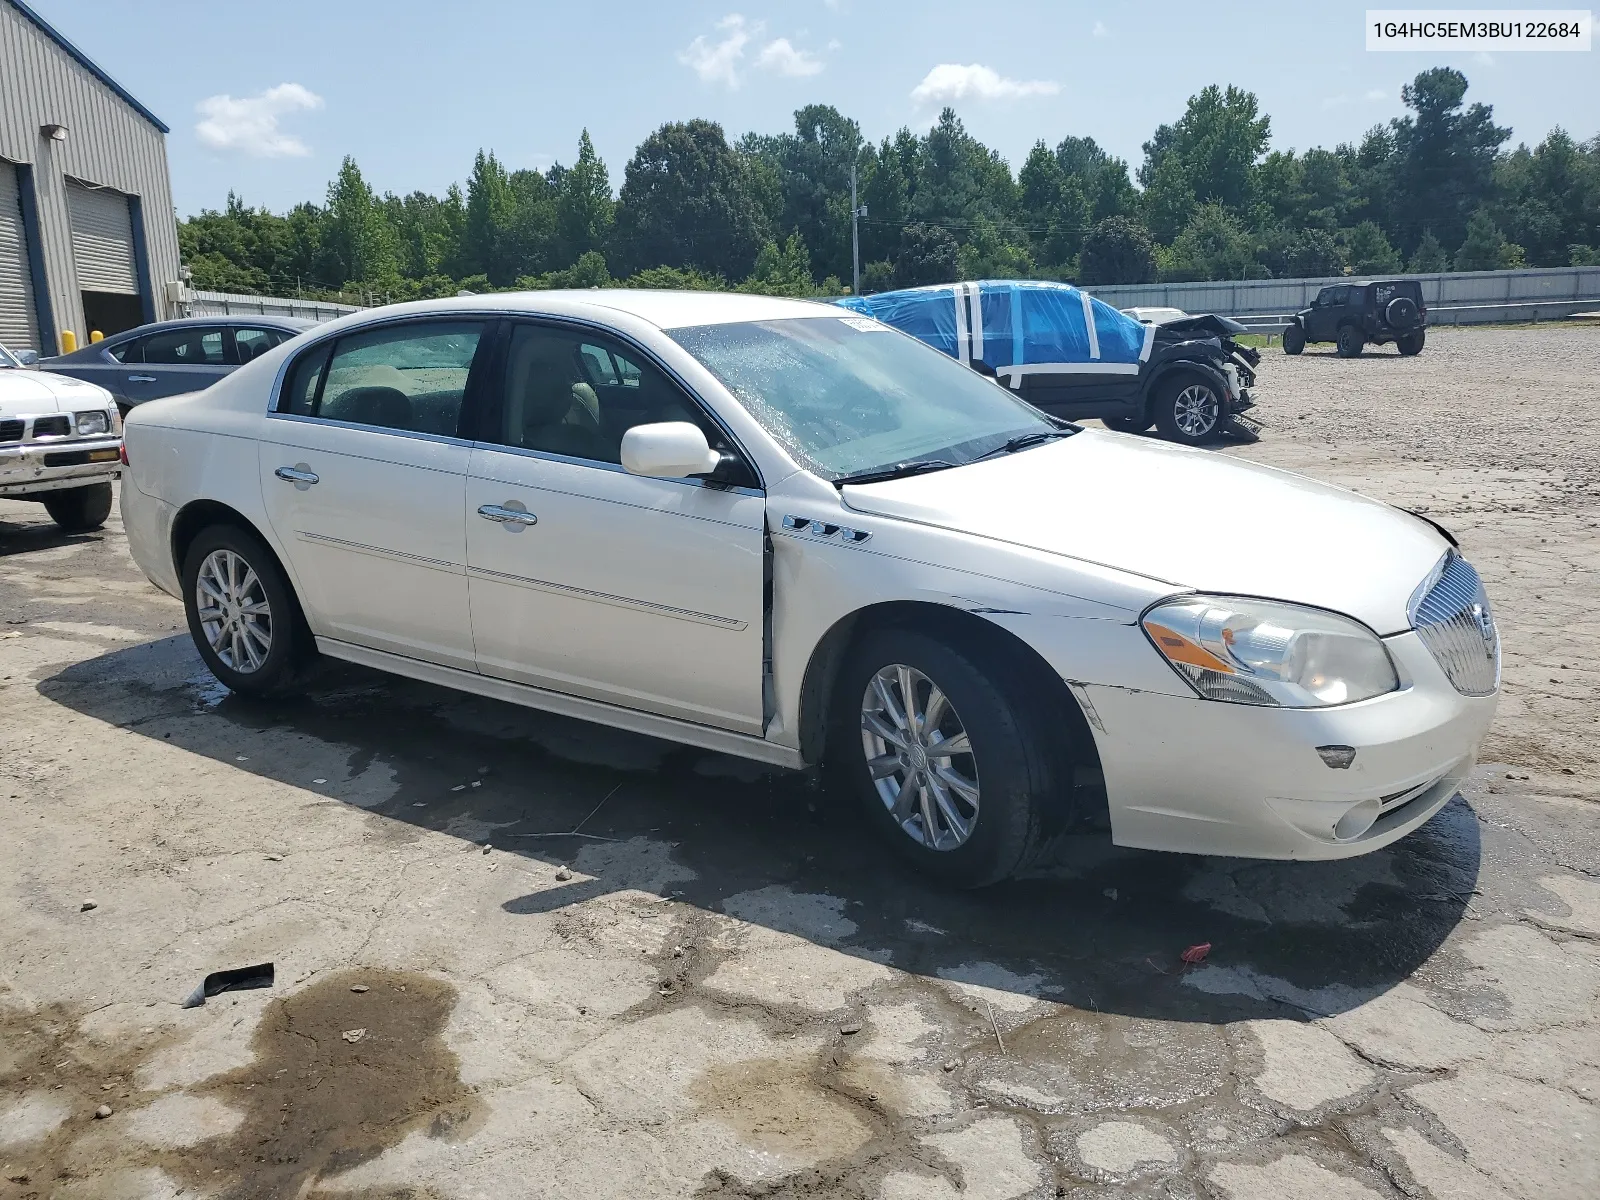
column 1294, row 340
column 1350, row 342
column 1188, row 409
column 79, row 509
column 1411, row 343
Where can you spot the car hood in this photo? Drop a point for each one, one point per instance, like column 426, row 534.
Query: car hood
column 32, row 392
column 1191, row 518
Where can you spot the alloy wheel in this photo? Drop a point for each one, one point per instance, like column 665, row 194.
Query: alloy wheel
column 919, row 757
column 234, row 612
column 1195, row 410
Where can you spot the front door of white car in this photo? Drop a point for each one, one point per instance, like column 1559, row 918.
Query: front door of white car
column 641, row 592
column 364, row 479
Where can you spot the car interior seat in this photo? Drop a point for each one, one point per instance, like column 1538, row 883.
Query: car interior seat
column 385, row 406
column 549, row 406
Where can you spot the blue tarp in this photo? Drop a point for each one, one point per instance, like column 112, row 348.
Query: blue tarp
column 1018, row 327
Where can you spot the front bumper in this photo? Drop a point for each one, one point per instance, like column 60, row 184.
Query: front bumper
column 1202, row 777
column 44, row 466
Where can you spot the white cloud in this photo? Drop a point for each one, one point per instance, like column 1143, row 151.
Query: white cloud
column 250, row 125
column 952, row 81
column 718, row 62
column 1377, row 94
column 1100, row 30
column 720, row 58
column 783, row 58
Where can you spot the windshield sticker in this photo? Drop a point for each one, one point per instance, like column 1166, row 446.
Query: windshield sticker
column 865, row 324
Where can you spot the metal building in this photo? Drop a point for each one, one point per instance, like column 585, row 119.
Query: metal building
column 88, row 239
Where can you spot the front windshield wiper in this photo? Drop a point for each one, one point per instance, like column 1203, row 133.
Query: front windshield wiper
column 917, row 466
column 1023, row 440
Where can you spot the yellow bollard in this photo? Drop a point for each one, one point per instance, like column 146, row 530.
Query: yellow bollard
column 69, row 341
column 96, row 336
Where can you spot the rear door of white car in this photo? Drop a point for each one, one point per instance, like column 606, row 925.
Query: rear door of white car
column 647, row 593
column 364, row 476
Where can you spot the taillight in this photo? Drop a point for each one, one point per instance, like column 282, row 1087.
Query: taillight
column 122, row 455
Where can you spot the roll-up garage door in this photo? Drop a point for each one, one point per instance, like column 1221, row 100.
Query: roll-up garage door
column 102, row 240
column 19, row 327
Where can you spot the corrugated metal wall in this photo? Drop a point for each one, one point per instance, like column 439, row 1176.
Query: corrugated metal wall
column 102, row 239
column 222, row 304
column 109, row 144
column 18, row 326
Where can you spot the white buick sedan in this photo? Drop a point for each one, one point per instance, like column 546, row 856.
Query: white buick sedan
column 775, row 529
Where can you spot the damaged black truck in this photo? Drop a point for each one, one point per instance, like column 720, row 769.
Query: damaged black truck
column 1076, row 357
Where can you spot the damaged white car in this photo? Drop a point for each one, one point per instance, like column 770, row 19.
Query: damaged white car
column 772, row 529
column 59, row 444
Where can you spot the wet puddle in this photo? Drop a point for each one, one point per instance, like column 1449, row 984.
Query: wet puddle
column 318, row 1099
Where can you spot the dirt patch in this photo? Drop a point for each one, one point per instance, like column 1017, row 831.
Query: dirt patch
column 775, row 1105
column 318, row 1099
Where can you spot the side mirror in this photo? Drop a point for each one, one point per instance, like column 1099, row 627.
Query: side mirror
column 28, row 358
column 668, row 450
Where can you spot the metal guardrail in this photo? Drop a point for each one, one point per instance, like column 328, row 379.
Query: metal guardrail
column 227, row 304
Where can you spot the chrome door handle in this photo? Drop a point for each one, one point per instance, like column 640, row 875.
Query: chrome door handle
column 141, row 378
column 295, row 475
column 516, row 517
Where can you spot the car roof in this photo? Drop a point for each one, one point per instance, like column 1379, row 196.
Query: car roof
column 254, row 320
column 663, row 309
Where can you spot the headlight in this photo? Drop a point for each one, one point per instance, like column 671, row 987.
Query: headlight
column 92, row 422
column 1260, row 652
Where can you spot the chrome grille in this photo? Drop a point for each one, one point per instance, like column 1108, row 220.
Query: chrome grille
column 1453, row 618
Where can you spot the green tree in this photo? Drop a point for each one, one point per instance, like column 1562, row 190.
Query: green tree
column 782, row 270
column 1214, row 245
column 1484, row 247
column 1117, row 250
column 675, row 279
column 357, row 237
column 584, row 208
column 928, row 254
column 1054, row 207
column 1429, row 256
column 811, row 170
column 689, row 201
column 484, row 233
column 1369, row 252
column 1444, row 159
column 1208, row 156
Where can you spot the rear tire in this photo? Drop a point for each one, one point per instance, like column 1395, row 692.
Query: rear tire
column 1411, row 343
column 243, row 615
column 1294, row 340
column 989, row 803
column 1188, row 409
column 79, row 509
column 1351, row 342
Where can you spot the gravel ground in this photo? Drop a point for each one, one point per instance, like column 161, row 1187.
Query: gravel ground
column 720, row 988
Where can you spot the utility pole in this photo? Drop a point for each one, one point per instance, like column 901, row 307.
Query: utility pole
column 855, row 235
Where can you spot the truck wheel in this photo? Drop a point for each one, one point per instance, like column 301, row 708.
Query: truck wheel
column 1350, row 343
column 1294, row 340
column 242, row 613
column 1188, row 409
column 79, row 509
column 1411, row 343
column 1136, row 424
column 943, row 757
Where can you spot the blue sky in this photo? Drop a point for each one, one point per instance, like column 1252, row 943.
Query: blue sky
column 265, row 99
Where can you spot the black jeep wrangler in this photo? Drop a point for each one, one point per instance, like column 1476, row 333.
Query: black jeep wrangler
column 1353, row 314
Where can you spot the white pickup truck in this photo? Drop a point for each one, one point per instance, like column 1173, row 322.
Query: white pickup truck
column 60, row 444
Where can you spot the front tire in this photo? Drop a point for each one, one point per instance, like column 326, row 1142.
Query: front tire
column 242, row 613
column 80, row 509
column 1411, row 343
column 943, row 758
column 1294, row 340
column 1134, row 424
column 1351, row 343
column 1188, row 410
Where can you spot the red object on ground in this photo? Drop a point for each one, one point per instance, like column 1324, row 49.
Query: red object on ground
column 1196, row 954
